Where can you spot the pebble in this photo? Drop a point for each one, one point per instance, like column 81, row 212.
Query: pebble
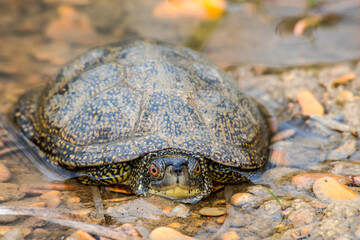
column 8, row 218
column 52, row 198
column 163, row 233
column 212, row 212
column 5, row 174
column 230, row 236
column 331, row 123
column 302, row 233
column 129, row 230
column 240, row 199
column 346, row 168
column 283, row 135
column 309, row 104
column 40, row 234
column 306, row 180
column 346, row 95
column 221, row 219
column 73, row 200
column 344, row 78
column 344, row 151
column 4, row 229
column 303, row 217
column 180, row 211
column 174, row 225
column 38, row 204
column 330, row 189
column 278, row 157
column 84, row 235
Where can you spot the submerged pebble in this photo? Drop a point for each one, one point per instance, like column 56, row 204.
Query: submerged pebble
column 165, row 233
column 129, row 230
column 180, row 211
column 8, row 218
column 40, row 233
column 52, row 198
column 212, row 212
column 309, row 104
column 329, row 189
column 5, row 174
column 240, row 199
column 306, row 180
column 232, row 235
column 345, row 150
column 4, row 229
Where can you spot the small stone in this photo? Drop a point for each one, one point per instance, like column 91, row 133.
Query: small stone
column 8, row 218
column 331, row 123
column 346, row 95
column 278, row 157
column 299, row 234
column 230, row 236
column 174, row 225
column 283, row 135
column 84, row 235
column 163, row 233
column 38, row 204
column 221, row 219
column 344, row 151
column 306, row 180
column 346, row 168
column 4, row 229
column 329, row 189
column 167, row 210
column 52, row 198
column 128, row 229
column 180, row 211
column 5, row 174
column 73, row 200
column 344, row 78
column 40, row 234
column 304, row 217
column 309, row 104
column 240, row 199
column 212, row 212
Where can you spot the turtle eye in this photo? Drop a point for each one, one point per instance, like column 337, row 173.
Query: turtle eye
column 154, row 171
column 197, row 169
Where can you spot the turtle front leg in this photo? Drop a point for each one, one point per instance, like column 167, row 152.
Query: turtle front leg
column 105, row 175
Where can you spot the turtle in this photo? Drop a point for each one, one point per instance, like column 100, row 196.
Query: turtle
column 158, row 118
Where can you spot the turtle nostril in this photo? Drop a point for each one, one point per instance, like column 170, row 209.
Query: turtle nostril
column 177, row 171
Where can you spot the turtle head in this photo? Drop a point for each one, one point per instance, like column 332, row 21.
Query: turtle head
column 173, row 174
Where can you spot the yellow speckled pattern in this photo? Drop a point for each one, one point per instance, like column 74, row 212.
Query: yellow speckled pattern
column 118, row 102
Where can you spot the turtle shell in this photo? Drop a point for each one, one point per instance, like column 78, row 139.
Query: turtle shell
column 121, row 101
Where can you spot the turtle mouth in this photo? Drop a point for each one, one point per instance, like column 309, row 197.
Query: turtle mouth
column 176, row 191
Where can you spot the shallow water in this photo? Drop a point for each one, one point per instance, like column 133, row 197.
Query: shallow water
column 245, row 39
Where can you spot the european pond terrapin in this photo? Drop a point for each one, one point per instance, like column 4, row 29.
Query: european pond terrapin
column 158, row 118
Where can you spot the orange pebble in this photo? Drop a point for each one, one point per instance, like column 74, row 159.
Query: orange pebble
column 174, row 225
column 277, row 157
column 38, row 204
column 345, row 78
column 306, row 180
column 74, row 200
column 84, row 235
column 309, row 104
column 328, row 188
